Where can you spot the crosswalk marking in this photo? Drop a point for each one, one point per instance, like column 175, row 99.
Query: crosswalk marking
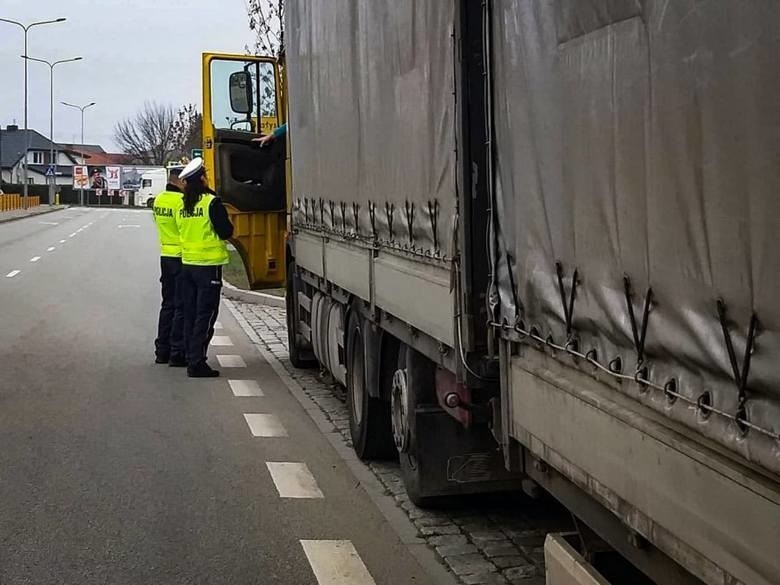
column 221, row 341
column 245, row 388
column 336, row 562
column 12, row 273
column 265, row 425
column 231, row 361
column 293, row 480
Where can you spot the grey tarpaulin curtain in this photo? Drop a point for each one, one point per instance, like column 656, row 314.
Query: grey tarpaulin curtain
column 641, row 139
column 372, row 120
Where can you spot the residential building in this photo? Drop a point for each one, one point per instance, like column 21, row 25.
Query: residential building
column 12, row 146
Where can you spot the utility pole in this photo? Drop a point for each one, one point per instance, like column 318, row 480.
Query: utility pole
column 82, row 108
column 52, row 161
column 26, row 28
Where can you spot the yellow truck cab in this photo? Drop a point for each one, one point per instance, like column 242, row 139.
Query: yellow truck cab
column 242, row 99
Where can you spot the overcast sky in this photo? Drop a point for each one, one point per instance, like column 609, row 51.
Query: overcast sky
column 133, row 50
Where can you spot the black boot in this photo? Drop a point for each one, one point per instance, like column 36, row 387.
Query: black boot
column 161, row 359
column 202, row 370
column 177, row 361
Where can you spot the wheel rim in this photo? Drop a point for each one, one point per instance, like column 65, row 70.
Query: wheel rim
column 400, row 414
column 356, row 382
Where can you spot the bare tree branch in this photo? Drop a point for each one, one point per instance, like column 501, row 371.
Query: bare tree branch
column 149, row 135
column 266, row 19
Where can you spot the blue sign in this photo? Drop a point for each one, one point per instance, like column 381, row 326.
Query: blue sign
column 50, row 171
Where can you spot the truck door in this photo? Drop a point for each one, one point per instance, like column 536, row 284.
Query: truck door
column 242, row 98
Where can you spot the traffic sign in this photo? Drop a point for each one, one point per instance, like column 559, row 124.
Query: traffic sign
column 197, row 152
column 50, row 171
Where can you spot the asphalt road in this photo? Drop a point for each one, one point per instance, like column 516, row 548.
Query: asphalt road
column 116, row 471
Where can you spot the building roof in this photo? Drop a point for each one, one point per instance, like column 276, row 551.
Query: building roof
column 110, row 158
column 85, row 148
column 12, row 144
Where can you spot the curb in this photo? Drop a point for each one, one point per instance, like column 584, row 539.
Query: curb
column 249, row 296
column 35, row 214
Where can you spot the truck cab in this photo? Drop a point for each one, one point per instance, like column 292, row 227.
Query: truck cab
column 243, row 100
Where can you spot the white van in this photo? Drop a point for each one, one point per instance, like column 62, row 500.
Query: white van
column 153, row 182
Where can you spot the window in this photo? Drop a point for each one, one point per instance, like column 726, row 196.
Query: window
column 37, row 158
column 146, row 183
column 263, row 96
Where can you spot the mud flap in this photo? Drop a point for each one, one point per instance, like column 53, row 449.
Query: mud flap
column 451, row 460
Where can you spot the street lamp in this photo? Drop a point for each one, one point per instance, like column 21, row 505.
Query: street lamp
column 82, row 108
column 26, row 28
column 52, row 161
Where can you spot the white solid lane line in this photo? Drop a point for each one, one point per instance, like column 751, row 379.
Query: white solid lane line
column 336, row 562
column 293, row 480
column 50, row 249
column 221, row 341
column 12, row 273
column 231, row 361
column 265, row 425
column 35, row 258
column 245, row 388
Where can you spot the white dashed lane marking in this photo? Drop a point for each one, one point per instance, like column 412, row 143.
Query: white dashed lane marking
column 48, row 223
column 231, row 361
column 72, row 235
column 245, row 388
column 221, row 341
column 12, row 273
column 293, row 480
column 35, row 258
column 62, row 241
column 218, row 325
column 51, row 249
column 265, row 425
column 336, row 562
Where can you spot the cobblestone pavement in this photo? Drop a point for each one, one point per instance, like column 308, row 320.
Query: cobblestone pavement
column 500, row 541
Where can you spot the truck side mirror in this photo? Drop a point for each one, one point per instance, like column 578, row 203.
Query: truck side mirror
column 241, row 92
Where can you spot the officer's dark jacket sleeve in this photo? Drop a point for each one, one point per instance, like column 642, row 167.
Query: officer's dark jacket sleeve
column 219, row 219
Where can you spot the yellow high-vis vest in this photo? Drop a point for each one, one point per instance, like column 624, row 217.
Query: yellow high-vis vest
column 166, row 209
column 200, row 244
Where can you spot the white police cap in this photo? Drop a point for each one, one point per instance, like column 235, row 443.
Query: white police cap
column 194, row 167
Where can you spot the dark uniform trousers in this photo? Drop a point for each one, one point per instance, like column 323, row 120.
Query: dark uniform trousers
column 170, row 327
column 201, row 288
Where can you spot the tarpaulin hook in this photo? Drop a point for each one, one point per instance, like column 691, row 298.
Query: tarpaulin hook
column 568, row 305
column 740, row 374
column 639, row 332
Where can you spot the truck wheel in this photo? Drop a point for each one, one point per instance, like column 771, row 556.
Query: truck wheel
column 297, row 355
column 369, row 417
column 412, row 383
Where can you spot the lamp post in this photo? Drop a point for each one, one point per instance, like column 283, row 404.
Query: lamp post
column 52, row 161
column 82, row 108
column 26, row 28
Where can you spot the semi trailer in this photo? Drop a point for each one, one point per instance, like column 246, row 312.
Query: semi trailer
column 535, row 242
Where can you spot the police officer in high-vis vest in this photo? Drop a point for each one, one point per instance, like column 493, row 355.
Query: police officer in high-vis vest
column 169, row 345
column 204, row 227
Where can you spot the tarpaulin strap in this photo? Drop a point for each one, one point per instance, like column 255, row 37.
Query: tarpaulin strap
column 322, row 211
column 355, row 215
column 343, row 209
column 433, row 211
column 390, row 211
column 568, row 305
column 640, row 332
column 740, row 374
column 409, row 206
column 372, row 217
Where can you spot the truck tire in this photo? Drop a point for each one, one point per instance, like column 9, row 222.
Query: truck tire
column 298, row 357
column 369, row 416
column 413, row 384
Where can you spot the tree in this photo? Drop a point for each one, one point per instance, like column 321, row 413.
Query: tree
column 149, row 135
column 266, row 19
column 187, row 130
